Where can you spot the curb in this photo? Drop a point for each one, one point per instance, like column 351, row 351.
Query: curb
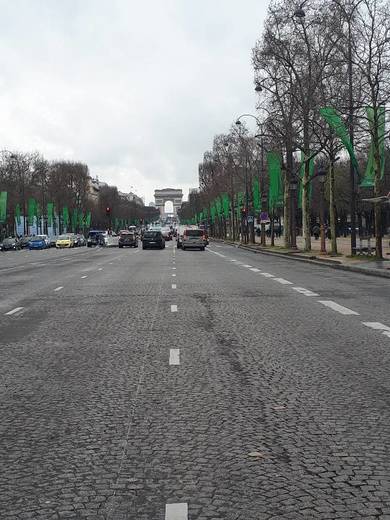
column 314, row 260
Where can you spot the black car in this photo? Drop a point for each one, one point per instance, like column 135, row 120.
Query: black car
column 127, row 238
column 153, row 239
column 95, row 238
column 10, row 244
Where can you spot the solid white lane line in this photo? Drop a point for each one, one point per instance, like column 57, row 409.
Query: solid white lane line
column 338, row 308
column 304, row 291
column 376, row 325
column 173, row 286
column 174, row 356
column 386, row 333
column 255, row 270
column 282, row 281
column 173, row 308
column 14, row 311
column 267, row 275
column 58, row 288
column 176, row 511
column 85, row 276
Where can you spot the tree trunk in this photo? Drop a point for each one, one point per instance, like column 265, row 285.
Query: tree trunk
column 377, row 193
column 306, row 187
column 332, row 208
column 286, row 213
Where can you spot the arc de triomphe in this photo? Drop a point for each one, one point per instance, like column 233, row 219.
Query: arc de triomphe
column 168, row 195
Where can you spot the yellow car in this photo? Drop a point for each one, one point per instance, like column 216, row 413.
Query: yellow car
column 65, row 241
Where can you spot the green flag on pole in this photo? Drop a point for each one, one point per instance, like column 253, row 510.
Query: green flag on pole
column 335, row 122
column 3, row 206
column 65, row 217
column 31, row 211
column 18, row 214
column 256, row 194
column 275, row 179
column 369, row 176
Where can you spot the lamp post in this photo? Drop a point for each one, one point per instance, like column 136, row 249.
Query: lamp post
column 258, row 88
column 322, row 179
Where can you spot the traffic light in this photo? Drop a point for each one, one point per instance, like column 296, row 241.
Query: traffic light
column 108, row 211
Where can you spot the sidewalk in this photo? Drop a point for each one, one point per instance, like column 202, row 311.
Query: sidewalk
column 361, row 263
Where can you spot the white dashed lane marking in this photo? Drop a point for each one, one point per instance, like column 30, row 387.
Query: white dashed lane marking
column 376, row 325
column 246, row 265
column 304, row 291
column 338, row 308
column 14, row 311
column 176, row 511
column 100, row 269
column 58, row 288
column 255, row 270
column 267, row 275
column 173, row 268
column 174, row 356
column 173, row 286
column 173, row 275
column 173, row 308
column 282, row 281
column 85, row 276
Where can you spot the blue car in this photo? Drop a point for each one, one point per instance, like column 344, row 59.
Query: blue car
column 39, row 242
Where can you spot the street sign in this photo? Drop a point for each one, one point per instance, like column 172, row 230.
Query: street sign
column 250, row 219
column 264, row 218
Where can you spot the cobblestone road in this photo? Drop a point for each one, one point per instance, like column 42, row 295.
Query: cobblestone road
column 276, row 404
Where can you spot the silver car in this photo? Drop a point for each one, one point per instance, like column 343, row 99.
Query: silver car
column 193, row 239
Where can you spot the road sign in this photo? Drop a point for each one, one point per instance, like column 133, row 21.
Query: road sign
column 250, row 219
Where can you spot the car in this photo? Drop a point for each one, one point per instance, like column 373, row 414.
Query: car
column 53, row 239
column 39, row 242
column 66, row 240
column 95, row 237
column 10, row 244
column 127, row 238
column 194, row 239
column 153, row 239
column 166, row 233
column 25, row 240
column 80, row 240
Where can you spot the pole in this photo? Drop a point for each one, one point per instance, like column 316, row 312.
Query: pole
column 263, row 239
column 351, row 138
column 322, row 215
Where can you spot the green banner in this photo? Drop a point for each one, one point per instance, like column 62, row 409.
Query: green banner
column 369, row 176
column 18, row 214
column 335, row 122
column 3, row 207
column 31, row 211
column 74, row 221
column 65, row 217
column 256, row 195
column 275, row 180
column 88, row 218
column 50, row 213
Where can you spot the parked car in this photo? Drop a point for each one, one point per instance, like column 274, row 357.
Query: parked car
column 193, row 239
column 153, row 239
column 39, row 242
column 127, row 238
column 10, row 244
column 65, row 241
column 25, row 240
column 53, row 240
column 80, row 240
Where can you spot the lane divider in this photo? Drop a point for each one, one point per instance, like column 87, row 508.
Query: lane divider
column 14, row 311
column 173, row 308
column 174, row 356
column 282, row 281
column 176, row 511
column 338, row 308
column 85, row 276
column 173, row 286
column 305, row 292
column 58, row 288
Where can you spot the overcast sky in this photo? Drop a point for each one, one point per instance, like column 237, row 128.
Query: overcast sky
column 136, row 90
